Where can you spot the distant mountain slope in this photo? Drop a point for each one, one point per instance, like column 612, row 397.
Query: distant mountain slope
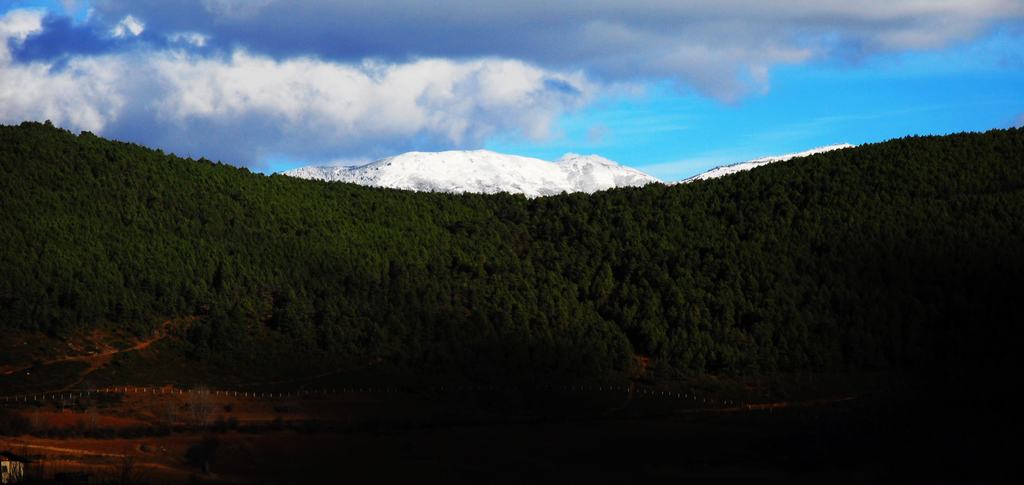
column 485, row 172
column 743, row 166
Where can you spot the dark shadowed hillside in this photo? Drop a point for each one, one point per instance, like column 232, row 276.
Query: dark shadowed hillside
column 903, row 254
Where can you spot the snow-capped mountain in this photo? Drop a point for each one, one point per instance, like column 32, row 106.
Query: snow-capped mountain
column 483, row 171
column 739, row 167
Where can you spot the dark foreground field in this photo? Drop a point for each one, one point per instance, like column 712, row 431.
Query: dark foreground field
column 896, row 430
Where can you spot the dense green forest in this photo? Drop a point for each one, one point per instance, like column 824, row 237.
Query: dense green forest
column 901, row 254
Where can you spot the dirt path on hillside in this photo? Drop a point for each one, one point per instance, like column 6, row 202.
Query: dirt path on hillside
column 97, row 360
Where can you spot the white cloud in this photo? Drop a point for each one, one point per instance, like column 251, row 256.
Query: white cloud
column 128, row 26
column 459, row 101
column 245, row 106
column 193, row 38
column 15, row 27
column 81, row 96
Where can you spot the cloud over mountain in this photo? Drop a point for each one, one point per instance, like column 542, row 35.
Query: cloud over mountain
column 302, row 106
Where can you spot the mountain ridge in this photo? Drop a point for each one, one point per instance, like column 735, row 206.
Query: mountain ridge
column 489, row 172
column 723, row 170
column 483, row 171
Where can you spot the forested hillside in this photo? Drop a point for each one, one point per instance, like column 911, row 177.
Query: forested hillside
column 901, row 254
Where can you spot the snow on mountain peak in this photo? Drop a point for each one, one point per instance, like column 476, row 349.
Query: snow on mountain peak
column 483, row 171
column 590, row 173
column 576, row 158
column 743, row 166
column 487, row 172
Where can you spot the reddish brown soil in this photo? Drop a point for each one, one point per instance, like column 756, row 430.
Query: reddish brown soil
column 94, row 349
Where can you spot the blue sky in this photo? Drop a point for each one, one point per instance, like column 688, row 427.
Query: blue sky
column 974, row 86
column 672, row 88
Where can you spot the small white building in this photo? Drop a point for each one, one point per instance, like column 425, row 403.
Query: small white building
column 12, row 468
